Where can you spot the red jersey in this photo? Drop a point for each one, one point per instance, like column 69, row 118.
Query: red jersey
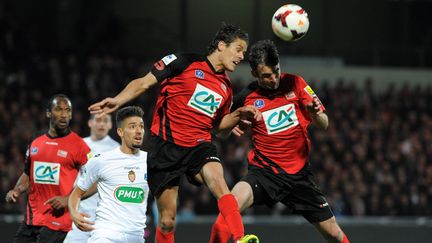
column 52, row 165
column 193, row 97
column 280, row 139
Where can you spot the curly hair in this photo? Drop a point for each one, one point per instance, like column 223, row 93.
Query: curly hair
column 263, row 52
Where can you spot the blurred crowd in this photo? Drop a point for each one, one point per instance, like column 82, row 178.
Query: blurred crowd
column 374, row 159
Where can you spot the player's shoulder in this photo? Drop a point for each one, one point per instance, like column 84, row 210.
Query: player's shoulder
column 38, row 135
column 143, row 153
column 182, row 58
column 74, row 136
column 111, row 141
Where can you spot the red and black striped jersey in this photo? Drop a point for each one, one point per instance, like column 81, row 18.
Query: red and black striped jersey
column 193, row 98
column 280, row 139
column 52, row 165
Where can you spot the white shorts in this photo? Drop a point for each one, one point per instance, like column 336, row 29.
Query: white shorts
column 105, row 236
column 76, row 235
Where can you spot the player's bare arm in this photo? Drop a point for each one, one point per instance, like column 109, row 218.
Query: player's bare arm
column 229, row 121
column 319, row 118
column 21, row 186
column 79, row 218
column 58, row 202
column 90, row 192
column 130, row 92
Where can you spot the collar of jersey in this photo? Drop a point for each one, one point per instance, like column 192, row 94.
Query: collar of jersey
column 212, row 68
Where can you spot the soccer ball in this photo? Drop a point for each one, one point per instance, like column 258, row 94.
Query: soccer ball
column 290, row 22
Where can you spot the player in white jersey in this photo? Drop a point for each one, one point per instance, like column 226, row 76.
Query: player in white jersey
column 99, row 141
column 121, row 178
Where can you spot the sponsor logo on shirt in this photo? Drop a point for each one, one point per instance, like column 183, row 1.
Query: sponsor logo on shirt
column 131, row 176
column 224, row 88
column 62, row 153
column 310, row 91
column 205, row 100
column 212, row 158
column 168, row 59
column 128, row 194
column 46, row 173
column 280, row 119
column 259, row 103
column 160, row 65
column 323, row 205
column 199, row 74
column 290, row 95
column 83, row 171
column 34, row 150
column 51, row 143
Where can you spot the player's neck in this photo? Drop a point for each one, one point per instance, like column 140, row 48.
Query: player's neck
column 54, row 133
column 214, row 61
column 127, row 150
column 94, row 138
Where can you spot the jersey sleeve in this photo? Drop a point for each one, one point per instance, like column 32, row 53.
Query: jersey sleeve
column 170, row 66
column 83, row 154
column 89, row 174
column 239, row 99
column 27, row 161
column 305, row 92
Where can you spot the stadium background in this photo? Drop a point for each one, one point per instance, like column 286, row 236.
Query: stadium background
column 369, row 61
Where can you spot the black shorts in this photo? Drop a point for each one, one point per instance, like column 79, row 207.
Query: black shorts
column 39, row 234
column 298, row 192
column 168, row 162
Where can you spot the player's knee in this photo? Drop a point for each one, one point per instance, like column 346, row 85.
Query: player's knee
column 334, row 233
column 167, row 224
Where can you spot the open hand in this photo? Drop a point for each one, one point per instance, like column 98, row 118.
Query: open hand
column 12, row 196
column 104, row 107
column 57, row 202
column 81, row 221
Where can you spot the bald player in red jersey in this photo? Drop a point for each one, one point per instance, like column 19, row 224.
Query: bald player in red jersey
column 52, row 163
column 278, row 162
column 194, row 99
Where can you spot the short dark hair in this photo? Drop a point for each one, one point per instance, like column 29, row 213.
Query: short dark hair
column 126, row 112
column 53, row 98
column 263, row 52
column 227, row 33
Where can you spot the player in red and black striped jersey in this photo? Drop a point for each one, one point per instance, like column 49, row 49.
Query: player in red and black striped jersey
column 52, row 163
column 195, row 98
column 278, row 167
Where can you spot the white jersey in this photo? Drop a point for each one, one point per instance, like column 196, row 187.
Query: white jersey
column 99, row 146
column 123, row 190
column 89, row 205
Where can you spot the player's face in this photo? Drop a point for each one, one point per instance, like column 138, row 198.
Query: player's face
column 268, row 77
column 61, row 113
column 100, row 126
column 132, row 132
column 233, row 54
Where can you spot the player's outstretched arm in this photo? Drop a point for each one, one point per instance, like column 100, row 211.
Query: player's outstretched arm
column 79, row 219
column 229, row 121
column 21, row 186
column 130, row 92
column 319, row 118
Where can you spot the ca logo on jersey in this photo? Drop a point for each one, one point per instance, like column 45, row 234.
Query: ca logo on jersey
column 46, row 173
column 205, row 100
column 129, row 194
column 280, row 119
